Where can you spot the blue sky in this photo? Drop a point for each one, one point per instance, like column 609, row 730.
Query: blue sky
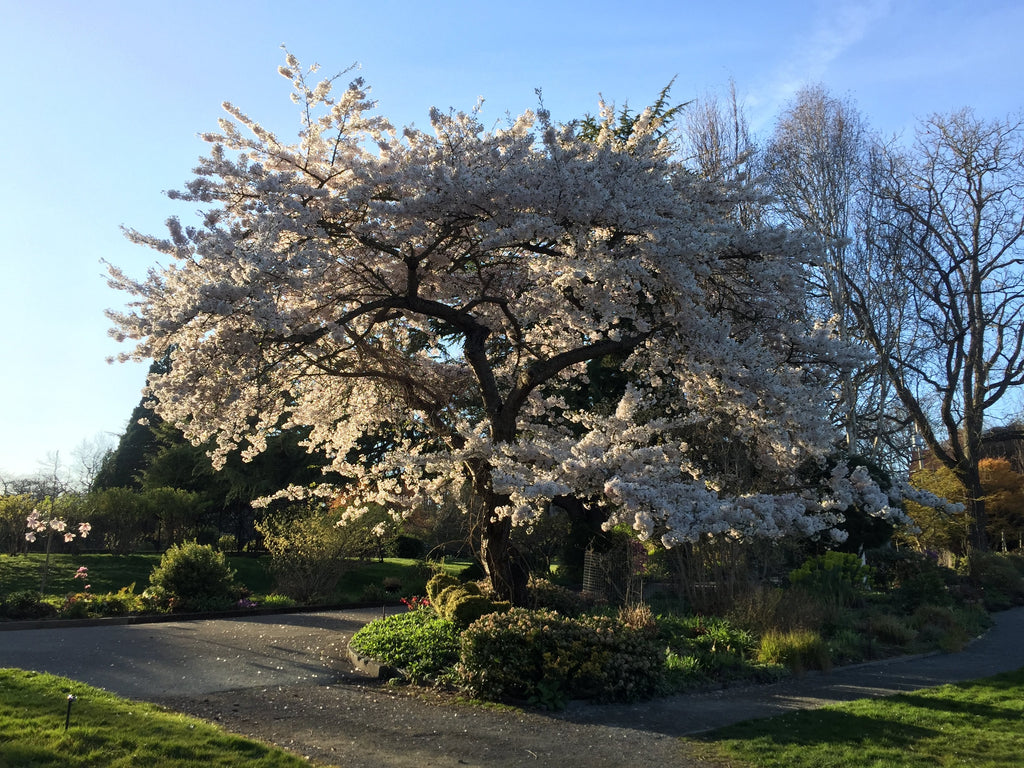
column 103, row 101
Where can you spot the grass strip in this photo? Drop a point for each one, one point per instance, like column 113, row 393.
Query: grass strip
column 105, row 730
column 978, row 723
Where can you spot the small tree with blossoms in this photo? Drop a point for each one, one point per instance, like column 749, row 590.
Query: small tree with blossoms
column 444, row 295
column 40, row 525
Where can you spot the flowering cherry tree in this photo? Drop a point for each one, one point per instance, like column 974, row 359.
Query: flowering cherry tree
column 452, row 291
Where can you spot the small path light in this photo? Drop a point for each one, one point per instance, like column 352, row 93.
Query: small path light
column 67, row 719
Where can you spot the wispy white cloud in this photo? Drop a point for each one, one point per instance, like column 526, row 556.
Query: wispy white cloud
column 836, row 28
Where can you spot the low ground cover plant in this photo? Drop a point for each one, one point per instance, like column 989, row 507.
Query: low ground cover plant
column 420, row 644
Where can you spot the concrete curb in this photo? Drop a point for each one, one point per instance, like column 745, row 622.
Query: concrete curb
column 371, row 668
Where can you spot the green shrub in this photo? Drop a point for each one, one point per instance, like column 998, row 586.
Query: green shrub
column 545, row 658
column 847, row 646
column 547, row 594
column 891, row 630
column 1016, row 560
column 911, row 578
column 195, row 577
column 437, row 583
column 408, row 547
column 26, row 604
column 77, row 605
column 227, row 543
column 1000, row 583
column 939, row 627
column 799, row 649
column 421, row 644
column 461, row 603
column 835, row 576
column 307, row 553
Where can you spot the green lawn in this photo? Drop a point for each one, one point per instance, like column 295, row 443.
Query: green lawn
column 363, row 581
column 107, row 573
column 979, row 723
column 109, row 731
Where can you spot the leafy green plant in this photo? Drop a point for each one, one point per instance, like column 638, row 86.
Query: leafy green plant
column 25, row 604
column 939, row 626
column 1001, row 584
column 307, row 553
column 798, row 649
column 419, row 643
column 195, row 577
column 891, row 630
column 543, row 656
column 836, row 576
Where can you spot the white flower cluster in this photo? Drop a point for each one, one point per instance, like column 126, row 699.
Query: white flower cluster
column 467, row 307
column 38, row 525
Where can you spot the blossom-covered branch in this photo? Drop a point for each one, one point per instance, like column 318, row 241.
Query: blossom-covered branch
column 455, row 287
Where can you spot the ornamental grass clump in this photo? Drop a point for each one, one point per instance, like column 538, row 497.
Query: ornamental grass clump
column 798, row 649
column 547, row 659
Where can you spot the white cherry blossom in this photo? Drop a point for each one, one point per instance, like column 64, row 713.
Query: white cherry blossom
column 453, row 291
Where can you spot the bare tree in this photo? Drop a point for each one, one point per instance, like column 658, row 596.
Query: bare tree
column 813, row 166
column 946, row 231
column 718, row 146
column 88, row 457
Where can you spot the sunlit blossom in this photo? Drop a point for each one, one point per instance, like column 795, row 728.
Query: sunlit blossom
column 460, row 286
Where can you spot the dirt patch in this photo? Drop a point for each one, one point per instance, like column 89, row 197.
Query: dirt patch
column 367, row 725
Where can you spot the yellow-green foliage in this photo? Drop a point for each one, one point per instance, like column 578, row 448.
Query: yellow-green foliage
column 798, row 649
column 439, row 582
column 460, row 602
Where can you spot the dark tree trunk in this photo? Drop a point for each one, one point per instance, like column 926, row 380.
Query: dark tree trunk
column 971, row 482
column 504, row 564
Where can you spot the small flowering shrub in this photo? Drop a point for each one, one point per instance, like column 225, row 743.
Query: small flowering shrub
column 196, row 576
column 547, row 658
column 420, row 643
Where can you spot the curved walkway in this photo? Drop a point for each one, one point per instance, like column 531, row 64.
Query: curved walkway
column 190, row 658
column 286, row 679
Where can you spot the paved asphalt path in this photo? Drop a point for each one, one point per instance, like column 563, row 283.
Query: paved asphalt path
column 193, row 658
column 189, row 658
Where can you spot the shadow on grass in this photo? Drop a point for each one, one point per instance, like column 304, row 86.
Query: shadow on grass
column 820, row 726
